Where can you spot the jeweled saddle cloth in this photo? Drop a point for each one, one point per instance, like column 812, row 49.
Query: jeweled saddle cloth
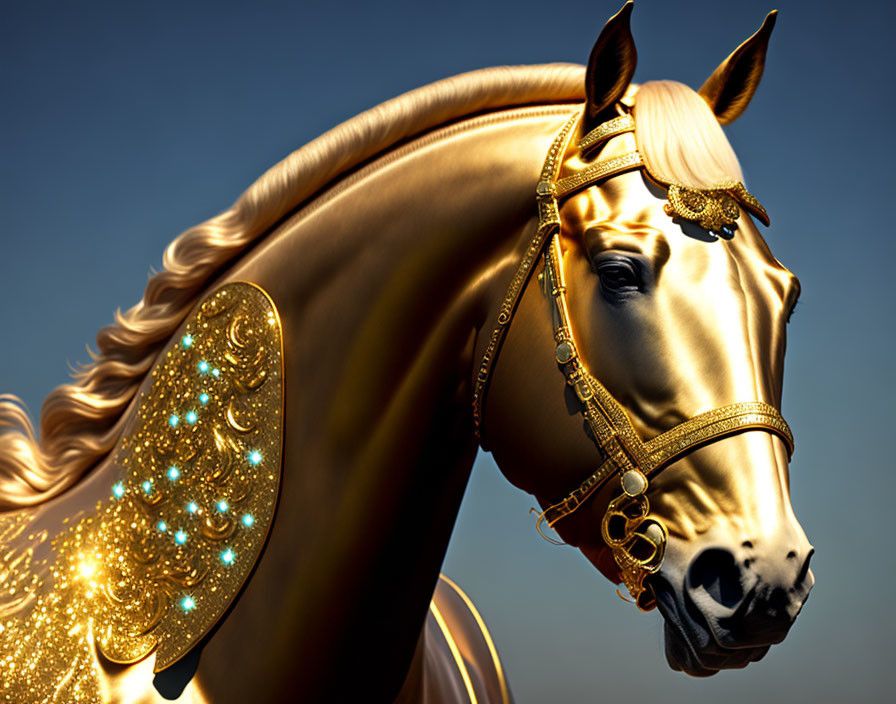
column 157, row 562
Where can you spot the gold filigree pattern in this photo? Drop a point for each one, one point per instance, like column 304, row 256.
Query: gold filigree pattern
column 598, row 172
column 155, row 566
column 711, row 209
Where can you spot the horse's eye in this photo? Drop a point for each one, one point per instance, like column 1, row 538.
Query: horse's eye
column 618, row 276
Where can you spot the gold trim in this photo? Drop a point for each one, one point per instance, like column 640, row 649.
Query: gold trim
column 600, row 171
column 496, row 661
column 603, row 132
column 548, row 222
column 455, row 652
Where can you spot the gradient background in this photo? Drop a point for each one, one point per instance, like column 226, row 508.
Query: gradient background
column 123, row 124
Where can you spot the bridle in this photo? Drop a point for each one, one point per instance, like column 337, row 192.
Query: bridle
column 636, row 539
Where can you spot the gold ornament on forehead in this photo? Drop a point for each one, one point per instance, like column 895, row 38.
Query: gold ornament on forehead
column 711, row 209
column 714, row 209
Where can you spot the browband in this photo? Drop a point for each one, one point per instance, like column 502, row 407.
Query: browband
column 636, row 539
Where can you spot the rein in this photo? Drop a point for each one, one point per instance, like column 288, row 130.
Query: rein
column 636, row 539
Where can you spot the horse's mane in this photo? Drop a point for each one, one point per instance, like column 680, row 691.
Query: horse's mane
column 81, row 422
column 680, row 138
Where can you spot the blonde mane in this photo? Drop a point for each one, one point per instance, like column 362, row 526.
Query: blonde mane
column 82, row 421
column 680, row 138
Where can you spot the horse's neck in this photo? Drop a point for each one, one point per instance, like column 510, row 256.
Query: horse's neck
column 382, row 285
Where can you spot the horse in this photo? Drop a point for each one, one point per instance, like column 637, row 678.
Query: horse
column 249, row 491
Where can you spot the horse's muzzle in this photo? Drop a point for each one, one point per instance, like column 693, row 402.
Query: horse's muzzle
column 728, row 609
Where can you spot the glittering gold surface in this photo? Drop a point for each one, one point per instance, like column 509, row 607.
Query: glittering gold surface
column 610, row 128
column 711, row 209
column 598, row 172
column 158, row 562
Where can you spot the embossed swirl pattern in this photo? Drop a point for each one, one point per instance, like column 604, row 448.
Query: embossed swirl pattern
column 156, row 564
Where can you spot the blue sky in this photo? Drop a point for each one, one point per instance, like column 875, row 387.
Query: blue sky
column 124, row 123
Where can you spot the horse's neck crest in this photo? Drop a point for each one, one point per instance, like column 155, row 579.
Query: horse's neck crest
column 157, row 564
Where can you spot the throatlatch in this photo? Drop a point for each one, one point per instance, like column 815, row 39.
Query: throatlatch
column 636, row 539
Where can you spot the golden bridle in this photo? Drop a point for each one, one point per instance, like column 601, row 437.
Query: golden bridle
column 636, row 540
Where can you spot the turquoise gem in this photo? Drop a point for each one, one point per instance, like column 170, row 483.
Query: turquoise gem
column 203, row 399
column 192, row 507
column 223, row 506
column 173, row 420
column 216, row 372
column 162, row 526
column 254, row 457
column 191, row 417
column 227, row 557
column 118, row 490
column 203, row 366
column 147, row 486
column 248, row 519
column 180, row 537
column 188, row 603
column 173, row 473
column 187, row 341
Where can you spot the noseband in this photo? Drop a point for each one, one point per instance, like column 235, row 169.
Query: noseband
column 636, row 539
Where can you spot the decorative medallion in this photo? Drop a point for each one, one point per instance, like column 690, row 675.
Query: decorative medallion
column 154, row 567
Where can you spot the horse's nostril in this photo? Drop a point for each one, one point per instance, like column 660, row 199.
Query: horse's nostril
column 777, row 601
column 804, row 571
column 716, row 571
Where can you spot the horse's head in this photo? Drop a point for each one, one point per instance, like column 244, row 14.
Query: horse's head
column 668, row 315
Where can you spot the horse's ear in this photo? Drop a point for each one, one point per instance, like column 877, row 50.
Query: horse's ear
column 610, row 67
column 732, row 85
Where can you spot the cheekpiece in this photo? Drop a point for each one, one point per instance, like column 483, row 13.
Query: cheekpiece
column 636, row 539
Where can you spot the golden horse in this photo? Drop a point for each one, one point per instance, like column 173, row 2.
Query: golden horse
column 248, row 494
